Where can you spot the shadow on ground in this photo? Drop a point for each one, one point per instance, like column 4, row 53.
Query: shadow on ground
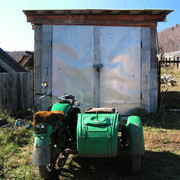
column 155, row 165
column 160, row 119
column 170, row 99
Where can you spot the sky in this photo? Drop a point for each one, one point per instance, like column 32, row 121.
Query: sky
column 17, row 35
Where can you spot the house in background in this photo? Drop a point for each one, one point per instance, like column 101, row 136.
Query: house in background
column 106, row 58
column 27, row 61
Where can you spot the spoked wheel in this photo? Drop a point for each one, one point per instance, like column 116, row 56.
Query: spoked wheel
column 135, row 164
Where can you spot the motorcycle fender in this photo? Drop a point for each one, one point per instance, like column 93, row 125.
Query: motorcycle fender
column 41, row 151
column 135, row 136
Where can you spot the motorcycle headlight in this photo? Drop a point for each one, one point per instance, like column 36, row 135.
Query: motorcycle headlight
column 40, row 128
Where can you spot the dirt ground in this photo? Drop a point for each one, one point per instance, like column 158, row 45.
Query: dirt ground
column 161, row 161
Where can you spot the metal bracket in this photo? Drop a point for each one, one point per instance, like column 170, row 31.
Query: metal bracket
column 98, row 67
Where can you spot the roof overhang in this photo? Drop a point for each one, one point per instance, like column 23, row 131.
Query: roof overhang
column 135, row 18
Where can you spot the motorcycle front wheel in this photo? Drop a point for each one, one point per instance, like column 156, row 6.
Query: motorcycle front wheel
column 46, row 172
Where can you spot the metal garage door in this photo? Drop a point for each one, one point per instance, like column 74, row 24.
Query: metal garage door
column 100, row 65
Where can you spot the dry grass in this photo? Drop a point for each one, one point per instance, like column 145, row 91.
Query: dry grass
column 173, row 71
column 162, row 140
column 161, row 160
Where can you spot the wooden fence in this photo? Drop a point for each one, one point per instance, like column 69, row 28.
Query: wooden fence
column 169, row 61
column 16, row 91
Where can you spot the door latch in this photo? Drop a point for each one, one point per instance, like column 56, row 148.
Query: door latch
column 98, row 67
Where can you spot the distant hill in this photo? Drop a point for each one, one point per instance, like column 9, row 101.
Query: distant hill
column 16, row 55
column 169, row 39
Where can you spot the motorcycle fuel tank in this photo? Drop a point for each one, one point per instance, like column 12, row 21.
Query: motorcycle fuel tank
column 65, row 107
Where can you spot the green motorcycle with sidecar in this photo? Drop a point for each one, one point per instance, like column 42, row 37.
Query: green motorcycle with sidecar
column 96, row 132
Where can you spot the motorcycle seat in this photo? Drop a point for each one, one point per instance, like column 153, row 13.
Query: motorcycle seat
column 49, row 117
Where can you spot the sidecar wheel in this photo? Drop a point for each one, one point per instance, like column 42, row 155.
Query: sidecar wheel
column 46, row 172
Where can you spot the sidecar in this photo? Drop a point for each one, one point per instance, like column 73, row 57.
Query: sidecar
column 101, row 132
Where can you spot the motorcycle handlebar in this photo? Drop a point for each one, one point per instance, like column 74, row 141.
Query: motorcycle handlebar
column 65, row 98
column 70, row 99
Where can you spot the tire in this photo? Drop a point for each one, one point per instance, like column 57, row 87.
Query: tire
column 135, row 164
column 46, row 172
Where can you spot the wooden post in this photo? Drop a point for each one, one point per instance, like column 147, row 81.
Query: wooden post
column 177, row 62
column 38, row 66
column 169, row 62
column 46, row 71
column 159, row 84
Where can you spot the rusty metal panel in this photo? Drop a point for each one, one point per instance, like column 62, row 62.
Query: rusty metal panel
column 121, row 75
column 73, row 56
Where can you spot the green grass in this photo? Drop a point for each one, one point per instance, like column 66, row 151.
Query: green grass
column 5, row 114
column 16, row 153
